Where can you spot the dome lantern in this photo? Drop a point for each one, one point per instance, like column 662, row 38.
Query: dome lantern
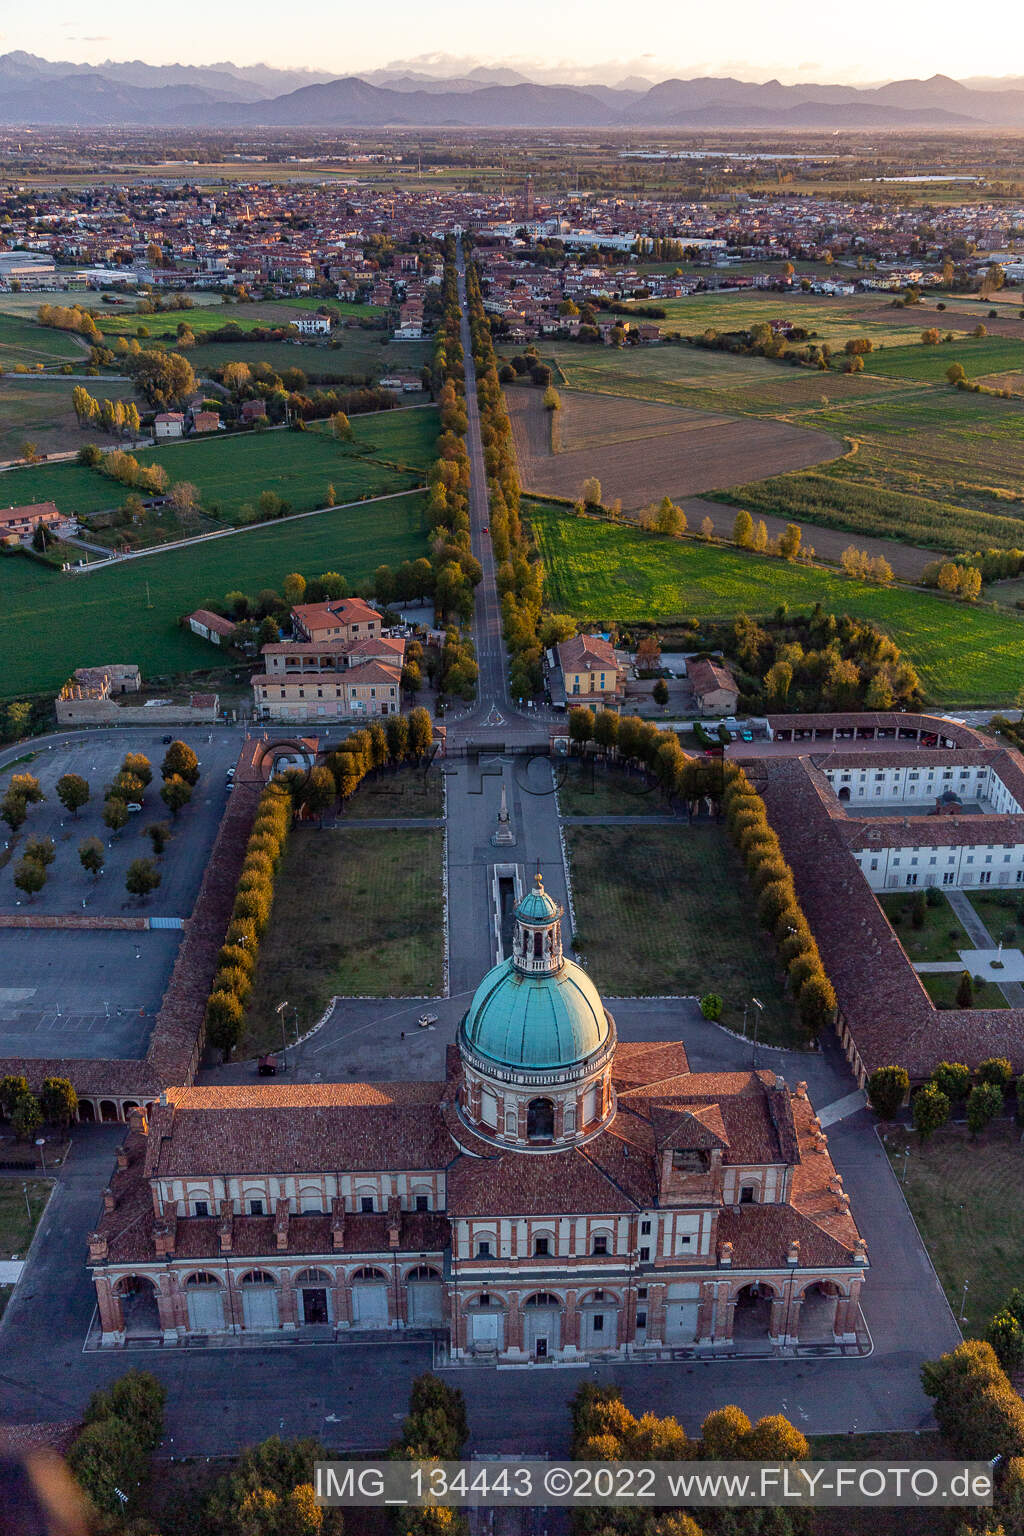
column 537, row 941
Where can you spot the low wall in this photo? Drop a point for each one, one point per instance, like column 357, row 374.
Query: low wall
column 73, row 920
column 106, row 712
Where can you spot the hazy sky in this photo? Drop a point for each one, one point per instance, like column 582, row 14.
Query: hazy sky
column 747, row 38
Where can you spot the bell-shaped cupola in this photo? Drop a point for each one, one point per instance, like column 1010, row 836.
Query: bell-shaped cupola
column 537, row 941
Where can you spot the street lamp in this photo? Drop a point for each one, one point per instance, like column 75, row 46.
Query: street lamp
column 28, row 1208
column 757, row 1020
column 41, row 1144
column 963, row 1302
column 279, row 1010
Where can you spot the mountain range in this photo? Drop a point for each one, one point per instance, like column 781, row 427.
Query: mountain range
column 35, row 91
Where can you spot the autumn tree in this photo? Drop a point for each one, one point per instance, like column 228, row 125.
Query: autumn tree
column 72, row 792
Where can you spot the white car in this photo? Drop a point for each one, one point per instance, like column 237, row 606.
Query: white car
column 132, row 807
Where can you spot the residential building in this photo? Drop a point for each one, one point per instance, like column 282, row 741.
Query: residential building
column 590, row 669
column 344, row 618
column 211, row 626
column 714, row 687
column 22, row 522
column 168, row 424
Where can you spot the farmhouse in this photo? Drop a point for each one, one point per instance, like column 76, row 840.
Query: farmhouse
column 210, row 626
column 22, row 522
column 559, row 1196
column 313, row 325
column 714, row 687
column 168, row 424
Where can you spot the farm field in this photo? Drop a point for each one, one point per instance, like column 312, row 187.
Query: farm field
column 602, row 572
column 666, row 911
column 354, row 910
column 230, row 472
column 833, row 320
column 361, row 355
column 39, row 409
column 979, row 356
column 202, row 319
column 639, row 454
column 26, row 344
column 50, row 624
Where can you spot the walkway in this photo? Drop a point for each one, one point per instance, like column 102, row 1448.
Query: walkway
column 980, row 937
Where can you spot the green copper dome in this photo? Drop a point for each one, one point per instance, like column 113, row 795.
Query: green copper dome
column 537, row 906
column 536, row 1022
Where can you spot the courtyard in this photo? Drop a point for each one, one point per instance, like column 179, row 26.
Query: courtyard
column 667, row 910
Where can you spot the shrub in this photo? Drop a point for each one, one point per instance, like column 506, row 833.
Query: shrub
column 995, row 1070
column 711, row 1005
column 255, row 905
column 984, row 1103
column 236, row 979
column 953, row 1079
column 887, row 1089
column 242, row 931
column 773, row 900
column 237, row 957
column 930, row 1110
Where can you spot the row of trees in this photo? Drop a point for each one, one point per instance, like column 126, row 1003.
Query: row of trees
column 952, row 1089
column 149, row 479
column 70, row 318
column 777, row 905
column 959, row 580
column 111, row 416
column 520, row 577
column 858, row 563
column 250, row 914
column 55, row 1104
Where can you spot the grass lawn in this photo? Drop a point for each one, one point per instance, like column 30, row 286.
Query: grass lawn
column 24, row 342
column 592, row 789
column 941, row 987
column 896, row 1449
column 668, row 910
column 968, row 1201
column 357, row 913
column 404, row 794
column 16, row 1226
column 230, row 472
column 602, row 572
column 39, row 409
column 50, row 624
column 999, row 911
column 941, row 938
column 361, row 355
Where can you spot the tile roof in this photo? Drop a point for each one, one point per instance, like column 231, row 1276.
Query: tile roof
column 585, row 653
column 705, row 676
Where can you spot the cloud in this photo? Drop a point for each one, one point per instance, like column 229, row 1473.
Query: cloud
column 97, row 39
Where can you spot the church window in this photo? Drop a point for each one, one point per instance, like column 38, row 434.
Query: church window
column 645, row 1254
column 645, row 1229
column 541, row 1248
column 747, row 1194
column 366, row 1204
column 540, row 1120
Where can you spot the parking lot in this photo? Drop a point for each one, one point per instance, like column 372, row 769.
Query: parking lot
column 88, row 994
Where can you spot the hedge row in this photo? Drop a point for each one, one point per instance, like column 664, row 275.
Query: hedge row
column 777, row 905
column 254, row 898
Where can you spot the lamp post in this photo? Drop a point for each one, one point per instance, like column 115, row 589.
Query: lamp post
column 906, row 1154
column 41, row 1144
column 279, row 1010
column 757, row 1021
column 963, row 1302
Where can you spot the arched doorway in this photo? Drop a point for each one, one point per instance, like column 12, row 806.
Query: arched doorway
column 108, row 1111
column 540, row 1120
column 542, row 1325
column 314, row 1293
column 817, row 1321
column 259, row 1300
column 425, row 1293
column 599, row 1321
column 86, row 1112
column 844, row 794
column 752, row 1319
column 205, row 1304
column 137, row 1295
column 369, row 1298
column 485, row 1325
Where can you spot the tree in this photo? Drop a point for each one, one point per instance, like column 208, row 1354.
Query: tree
column 19, row 712
column 1006, row 1337
column 669, row 518
column 92, row 855
column 163, row 378
column 126, row 787
column 956, row 374
column 26, row 1117
column 994, row 1069
column 930, row 337
column 224, row 1019
column 320, row 791
column 953, row 1079
column 72, row 792
column 930, row 1110
column 887, row 1090
column 180, row 761
column 115, row 813
column 421, row 733
column 648, row 653
column 965, row 991
column 176, row 794
column 58, row 1100
column 551, row 399
column 139, row 766
column 789, row 541
column 142, row 877
column 341, row 427
column 581, row 724
column 976, row 1408
column 29, row 877
column 294, row 589
column 13, row 810
column 26, row 787
column 592, row 492
column 41, row 850
column 984, row 1103
column 660, row 692
column 743, row 529
column 817, row 1003
column 159, row 834
column 184, row 497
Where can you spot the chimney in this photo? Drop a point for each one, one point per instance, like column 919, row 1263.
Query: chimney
column 337, row 1223
column 725, row 1254
column 821, row 1142
column 97, row 1248
column 122, row 1158
column 165, row 1230
column 842, row 1202
column 801, row 1090
column 138, row 1122
column 108, row 1199
column 281, row 1224
column 394, row 1221
column 860, row 1251
column 793, row 1252
column 780, row 1081
column 225, row 1229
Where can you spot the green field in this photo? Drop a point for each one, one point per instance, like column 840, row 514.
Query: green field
column 23, row 342
column 361, row 354
column 39, row 409
column 232, row 471
column 667, row 911
column 357, row 912
column 50, row 624
column 601, row 572
column 979, row 355
column 833, row 320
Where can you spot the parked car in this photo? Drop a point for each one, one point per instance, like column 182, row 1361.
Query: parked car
column 267, row 1066
column 747, row 735
column 132, row 807
column 167, row 740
